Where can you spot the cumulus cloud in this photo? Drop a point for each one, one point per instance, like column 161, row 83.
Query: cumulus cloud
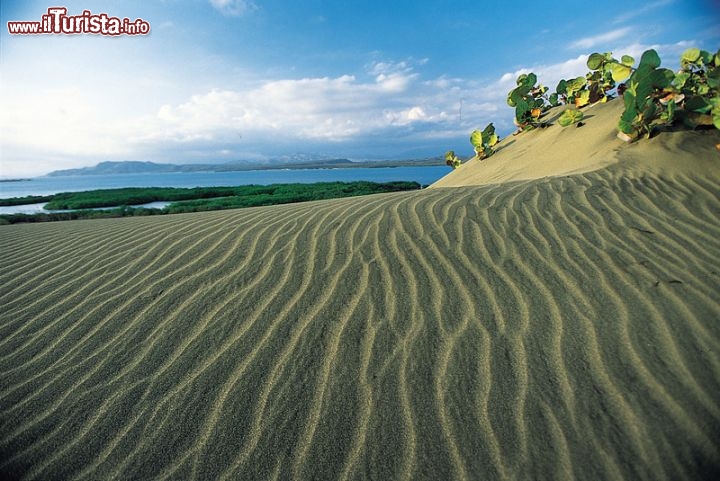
column 389, row 105
column 331, row 109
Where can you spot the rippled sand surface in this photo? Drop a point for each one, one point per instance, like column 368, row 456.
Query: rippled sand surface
column 565, row 328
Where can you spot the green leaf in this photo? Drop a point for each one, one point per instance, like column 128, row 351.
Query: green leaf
column 522, row 106
column 668, row 115
column 662, row 78
column 650, row 58
column 716, row 117
column 530, row 80
column 670, row 112
column 706, row 57
column 573, row 85
column 595, row 61
column 488, row 131
column 476, row 138
column 713, row 78
column 627, row 60
column 561, row 87
column 570, row 116
column 681, row 79
column 451, row 159
column 629, row 100
column 649, row 112
column 582, row 98
column 690, row 55
column 698, row 104
column 642, row 72
column 625, row 126
column 619, row 71
column 554, row 99
column 492, row 140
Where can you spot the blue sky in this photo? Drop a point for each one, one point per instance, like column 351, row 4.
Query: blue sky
column 223, row 80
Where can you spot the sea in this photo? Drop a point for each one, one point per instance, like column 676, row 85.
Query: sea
column 47, row 185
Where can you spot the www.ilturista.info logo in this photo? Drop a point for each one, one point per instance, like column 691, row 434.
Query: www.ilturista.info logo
column 57, row 21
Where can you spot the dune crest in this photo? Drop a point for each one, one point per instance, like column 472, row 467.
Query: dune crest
column 556, row 151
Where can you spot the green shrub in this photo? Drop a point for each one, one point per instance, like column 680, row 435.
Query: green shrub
column 570, row 116
column 452, row 160
column 596, row 85
column 647, row 86
column 655, row 97
column 208, row 198
column 529, row 101
column 484, row 141
column 697, row 88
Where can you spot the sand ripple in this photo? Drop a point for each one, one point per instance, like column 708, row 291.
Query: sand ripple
column 553, row 329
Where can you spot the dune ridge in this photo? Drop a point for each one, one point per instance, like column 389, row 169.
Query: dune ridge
column 557, row 328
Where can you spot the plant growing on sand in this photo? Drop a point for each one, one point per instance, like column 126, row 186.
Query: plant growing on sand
column 569, row 91
column 570, row 116
column 655, row 97
column 452, row 160
column 648, row 101
column 529, row 101
column 605, row 72
column 596, row 85
column 697, row 88
column 484, row 141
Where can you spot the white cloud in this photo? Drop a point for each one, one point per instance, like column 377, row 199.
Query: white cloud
column 611, row 36
column 309, row 108
column 637, row 12
column 233, row 7
column 68, row 125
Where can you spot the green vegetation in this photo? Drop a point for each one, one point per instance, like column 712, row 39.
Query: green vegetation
column 570, row 116
column 452, row 160
column 483, row 143
column 644, row 110
column 258, row 195
column 138, row 195
column 655, row 98
column 697, row 85
column 197, row 199
column 28, row 199
column 529, row 101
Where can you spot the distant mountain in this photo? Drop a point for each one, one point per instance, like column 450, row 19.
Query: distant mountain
column 123, row 167
column 140, row 167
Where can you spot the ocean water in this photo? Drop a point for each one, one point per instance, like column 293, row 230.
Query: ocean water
column 53, row 185
column 424, row 175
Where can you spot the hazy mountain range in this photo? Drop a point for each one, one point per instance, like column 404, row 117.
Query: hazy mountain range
column 140, row 167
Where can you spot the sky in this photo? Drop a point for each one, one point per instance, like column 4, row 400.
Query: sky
column 218, row 81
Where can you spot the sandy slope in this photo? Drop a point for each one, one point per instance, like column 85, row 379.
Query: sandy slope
column 562, row 328
column 570, row 150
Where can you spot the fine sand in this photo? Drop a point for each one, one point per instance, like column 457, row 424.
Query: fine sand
column 550, row 329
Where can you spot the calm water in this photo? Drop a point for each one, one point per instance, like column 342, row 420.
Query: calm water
column 53, row 185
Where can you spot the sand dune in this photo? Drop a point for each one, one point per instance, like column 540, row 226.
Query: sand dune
column 556, row 151
column 561, row 328
column 557, row 329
